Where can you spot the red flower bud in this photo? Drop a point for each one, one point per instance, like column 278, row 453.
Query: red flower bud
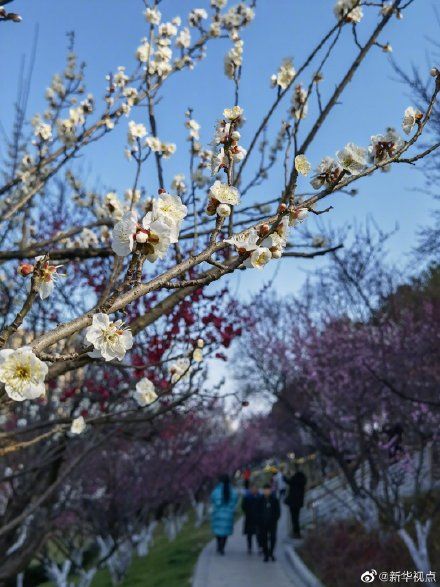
column 25, row 269
column 264, row 229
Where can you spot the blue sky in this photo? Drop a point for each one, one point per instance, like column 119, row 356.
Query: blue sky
column 108, row 32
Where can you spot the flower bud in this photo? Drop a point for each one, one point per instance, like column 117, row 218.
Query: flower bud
column 282, row 208
column 200, row 343
column 434, row 72
column 277, row 254
column 264, row 229
column 25, row 269
column 197, row 355
column 235, row 135
column 301, row 213
column 210, row 209
column 224, row 210
column 141, row 237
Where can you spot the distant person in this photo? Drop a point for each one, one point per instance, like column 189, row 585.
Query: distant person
column 279, row 484
column 224, row 501
column 251, row 506
column 247, row 477
column 269, row 516
column 295, row 498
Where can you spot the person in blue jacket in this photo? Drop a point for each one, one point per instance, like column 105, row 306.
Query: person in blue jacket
column 224, row 500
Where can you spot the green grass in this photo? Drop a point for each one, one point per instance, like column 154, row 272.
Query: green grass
column 168, row 564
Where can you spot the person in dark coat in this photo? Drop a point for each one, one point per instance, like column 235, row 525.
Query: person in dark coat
column 252, row 511
column 295, row 498
column 269, row 516
column 224, row 501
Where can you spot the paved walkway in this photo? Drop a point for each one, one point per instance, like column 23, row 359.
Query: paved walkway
column 238, row 569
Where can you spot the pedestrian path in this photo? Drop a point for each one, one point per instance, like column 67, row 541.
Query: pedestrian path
column 238, row 569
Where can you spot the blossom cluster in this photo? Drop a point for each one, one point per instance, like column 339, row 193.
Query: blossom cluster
column 353, row 159
column 222, row 195
column 44, row 279
column 158, row 229
column 137, row 132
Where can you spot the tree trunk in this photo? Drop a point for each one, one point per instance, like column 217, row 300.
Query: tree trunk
column 418, row 548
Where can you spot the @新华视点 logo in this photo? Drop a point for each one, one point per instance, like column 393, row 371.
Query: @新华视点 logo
column 368, row 576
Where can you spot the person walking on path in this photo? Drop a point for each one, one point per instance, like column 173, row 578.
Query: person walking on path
column 295, row 498
column 247, row 477
column 280, row 484
column 269, row 516
column 224, row 501
column 251, row 506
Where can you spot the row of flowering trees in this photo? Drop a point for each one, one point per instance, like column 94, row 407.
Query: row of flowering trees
column 155, row 474
column 355, row 364
column 107, row 320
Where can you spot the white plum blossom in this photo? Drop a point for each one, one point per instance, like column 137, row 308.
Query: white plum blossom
column 297, row 216
column 154, row 143
column 168, row 149
column 46, row 279
column 352, row 158
column 143, row 52
column 196, row 16
column 145, row 393
column 277, row 240
column 22, row 373
column 410, row 118
column 244, row 241
column 197, row 355
column 258, row 258
column 168, row 29
column 233, row 113
column 347, row 10
column 78, row 425
column 299, row 103
column 179, row 369
column 44, row 131
column 109, row 339
column 123, row 234
column 157, row 146
column 169, row 210
column 285, row 75
column 178, row 183
column 66, row 130
column 302, row 165
column 224, row 193
column 183, row 39
column 194, row 128
column 120, row 78
column 113, row 206
column 383, row 147
column 326, row 174
column 219, row 3
column 159, row 239
column 135, row 131
column 233, row 59
column 153, row 15
column 224, row 210
column 131, row 195
column 131, row 94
